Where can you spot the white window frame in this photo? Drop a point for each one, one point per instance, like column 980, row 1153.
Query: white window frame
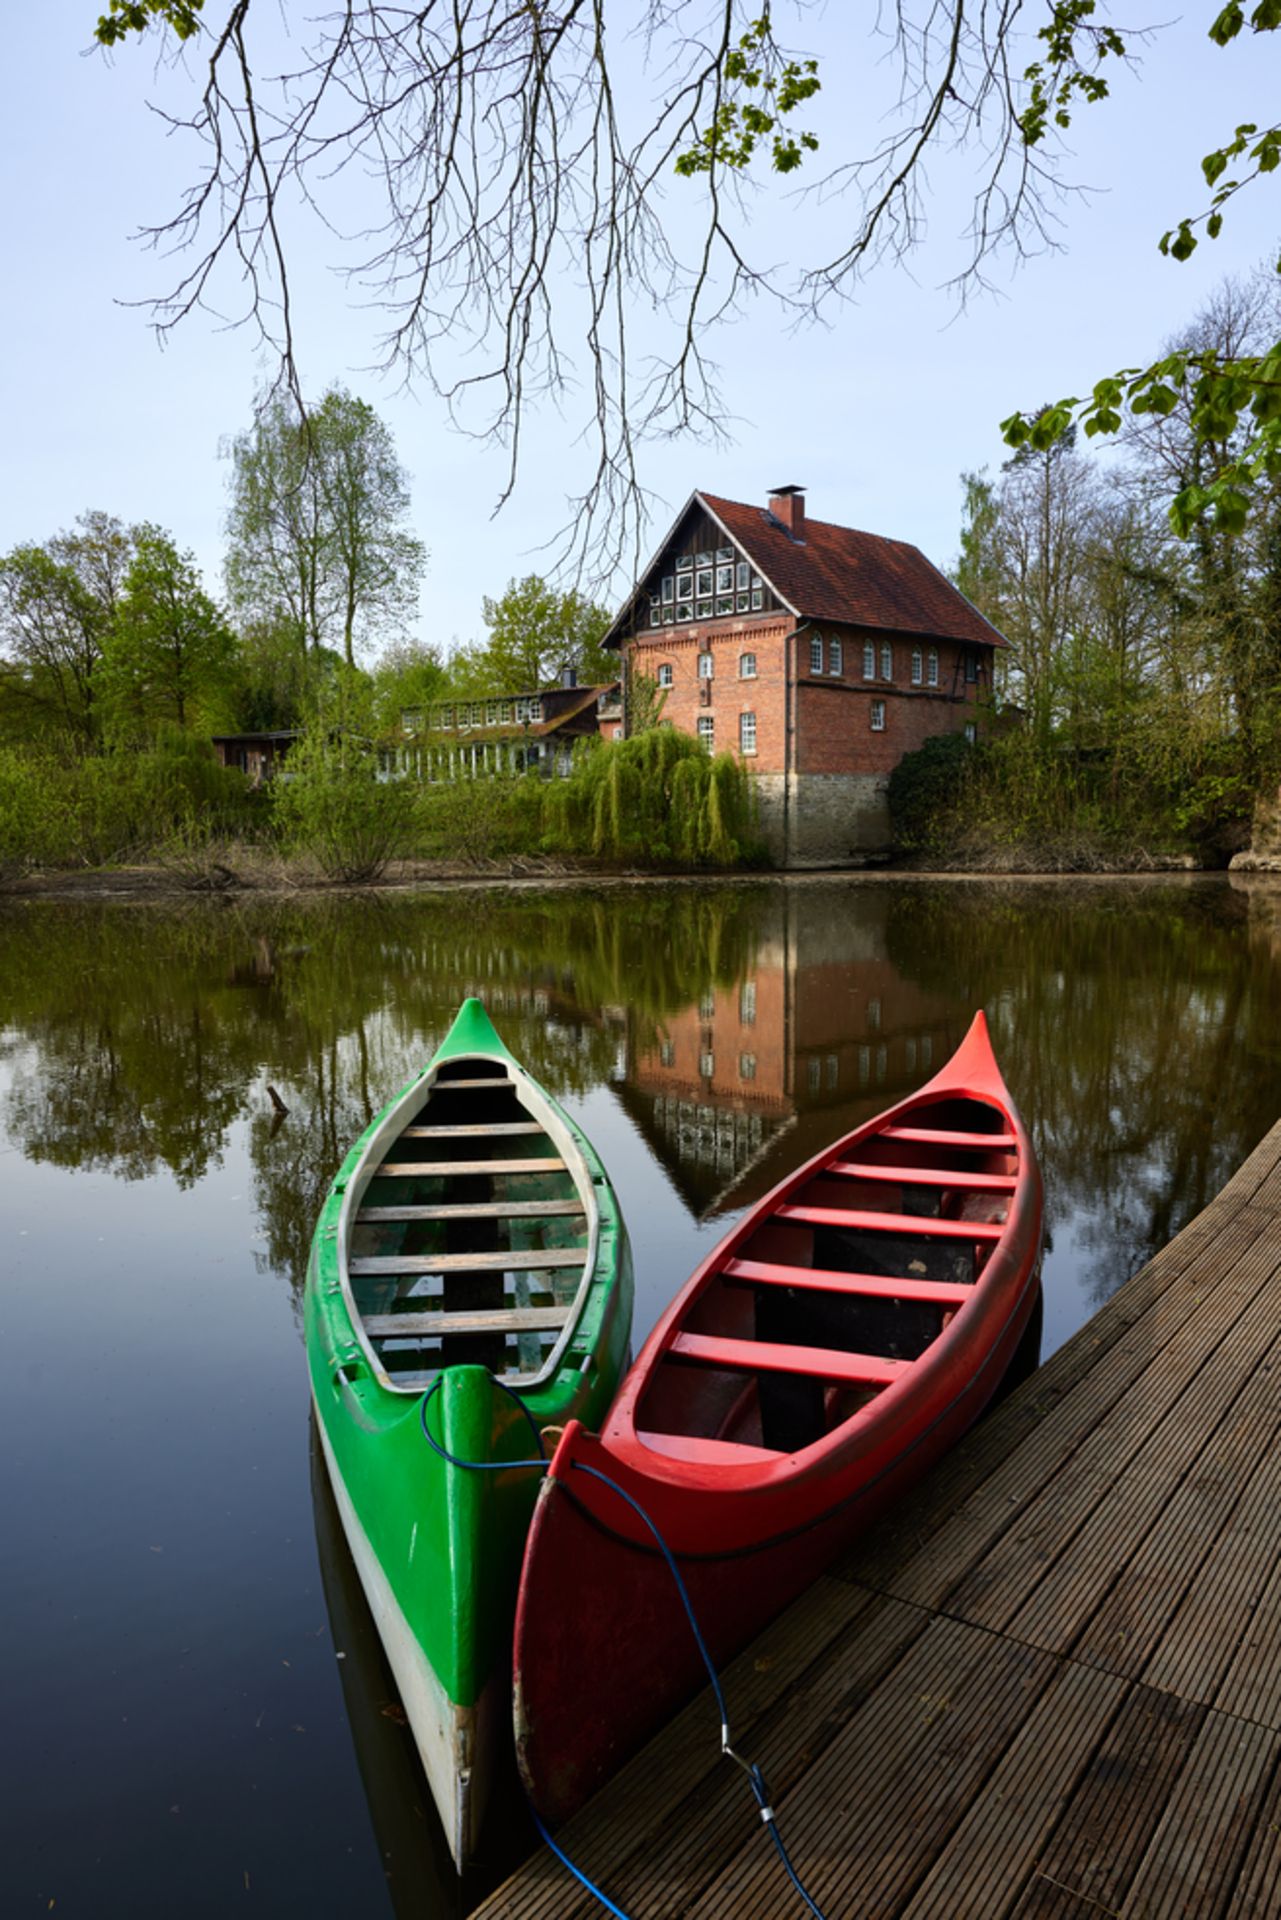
column 932, row 668
column 878, row 716
column 706, row 666
column 835, row 658
column 887, row 660
column 869, row 660
column 816, row 653
column 747, row 666
column 664, row 674
column 747, row 733
column 707, row 732
column 918, row 667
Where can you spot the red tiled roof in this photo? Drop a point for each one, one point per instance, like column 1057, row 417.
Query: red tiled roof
column 837, row 573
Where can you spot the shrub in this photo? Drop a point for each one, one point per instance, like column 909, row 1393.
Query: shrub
column 925, row 788
column 332, row 807
column 654, row 800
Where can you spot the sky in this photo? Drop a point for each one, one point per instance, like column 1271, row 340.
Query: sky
column 877, row 412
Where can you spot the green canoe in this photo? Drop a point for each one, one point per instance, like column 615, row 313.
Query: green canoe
column 470, row 1238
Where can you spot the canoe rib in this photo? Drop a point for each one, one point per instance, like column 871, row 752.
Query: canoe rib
column 413, row 1169
column 474, row 1210
column 929, row 1177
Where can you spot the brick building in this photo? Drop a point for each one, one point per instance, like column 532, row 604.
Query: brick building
column 820, row 654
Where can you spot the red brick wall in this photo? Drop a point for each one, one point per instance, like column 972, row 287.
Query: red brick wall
column 833, row 712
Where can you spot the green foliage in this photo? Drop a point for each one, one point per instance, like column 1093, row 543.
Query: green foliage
column 92, row 810
column 536, row 633
column 318, row 541
column 499, row 816
column 168, row 654
column 135, row 16
column 655, row 800
column 332, row 806
column 759, row 86
column 925, row 788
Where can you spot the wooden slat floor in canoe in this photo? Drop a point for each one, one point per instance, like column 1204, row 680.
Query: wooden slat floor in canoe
column 1049, row 1686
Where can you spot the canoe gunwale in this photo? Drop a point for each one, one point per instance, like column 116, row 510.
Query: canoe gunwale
column 391, row 1124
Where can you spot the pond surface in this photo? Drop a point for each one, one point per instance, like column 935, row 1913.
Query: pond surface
column 180, row 1738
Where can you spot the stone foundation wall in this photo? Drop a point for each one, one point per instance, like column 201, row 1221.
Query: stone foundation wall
column 1263, row 855
column 824, row 819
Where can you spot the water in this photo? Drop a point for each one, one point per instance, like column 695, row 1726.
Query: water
column 179, row 1734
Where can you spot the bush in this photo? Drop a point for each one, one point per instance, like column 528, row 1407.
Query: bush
column 331, row 807
column 473, row 821
column 925, row 788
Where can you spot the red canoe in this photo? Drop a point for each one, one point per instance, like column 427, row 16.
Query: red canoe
column 847, row 1331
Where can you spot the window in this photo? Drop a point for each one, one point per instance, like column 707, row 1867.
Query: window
column 684, row 562
column 758, row 599
column 747, row 666
column 724, row 554
column 835, row 659
column 446, row 716
column 744, row 602
column 747, row 1066
column 814, row 1074
column 667, row 1053
column 491, row 713
column 707, row 1006
column 878, row 716
column 706, row 732
column 816, row 654
column 932, row 667
column 869, row 661
column 505, row 712
column 705, row 666
column 411, row 719
column 747, row 1004
column 702, row 583
column 887, row 661
column 684, row 610
column 918, row 667
column 665, row 675
column 655, row 614
column 667, row 616
column 724, row 579
column 971, row 667
column 874, row 1016
column 747, row 733
column 703, row 608
column 535, row 709
column 744, row 576
column 702, row 559
column 971, row 732
column 669, row 589
column 832, row 1069
column 522, row 709
column 725, row 603
column 707, row 1065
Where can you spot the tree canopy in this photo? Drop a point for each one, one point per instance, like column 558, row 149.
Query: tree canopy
column 318, row 540
column 523, row 163
column 536, row 634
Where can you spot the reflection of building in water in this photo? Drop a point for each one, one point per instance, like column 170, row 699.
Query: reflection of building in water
column 754, row 1077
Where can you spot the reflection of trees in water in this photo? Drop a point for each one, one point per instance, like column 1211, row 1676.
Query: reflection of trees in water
column 1136, row 1024
column 138, row 1035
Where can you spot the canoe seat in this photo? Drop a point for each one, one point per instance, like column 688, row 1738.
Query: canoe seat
column 417, row 1169
column 468, row 1086
column 471, row 1133
column 764, row 1356
column 434, row 1326
column 504, row 1262
column 946, row 1137
column 868, row 1220
column 867, row 1286
column 700, row 1451
column 474, row 1210
column 929, row 1177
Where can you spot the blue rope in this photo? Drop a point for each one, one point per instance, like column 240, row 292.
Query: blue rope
column 753, row 1772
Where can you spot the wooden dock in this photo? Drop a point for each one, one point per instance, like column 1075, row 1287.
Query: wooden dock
column 1049, row 1687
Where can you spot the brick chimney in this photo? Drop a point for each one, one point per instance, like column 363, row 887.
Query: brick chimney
column 787, row 504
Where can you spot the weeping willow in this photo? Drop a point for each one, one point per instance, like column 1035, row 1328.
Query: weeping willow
column 657, row 800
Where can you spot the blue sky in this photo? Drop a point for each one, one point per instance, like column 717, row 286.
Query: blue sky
column 877, row 413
